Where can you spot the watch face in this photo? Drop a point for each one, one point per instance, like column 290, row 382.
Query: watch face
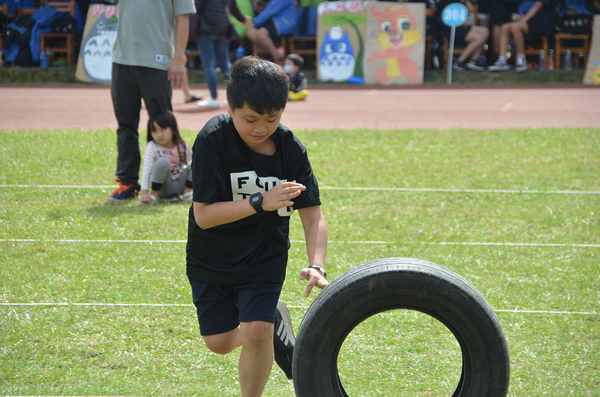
column 256, row 201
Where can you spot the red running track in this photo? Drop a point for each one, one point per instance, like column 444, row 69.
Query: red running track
column 90, row 107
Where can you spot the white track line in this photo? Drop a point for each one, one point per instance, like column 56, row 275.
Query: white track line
column 376, row 189
column 482, row 244
column 189, row 305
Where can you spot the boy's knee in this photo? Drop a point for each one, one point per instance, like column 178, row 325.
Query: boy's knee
column 257, row 333
column 221, row 344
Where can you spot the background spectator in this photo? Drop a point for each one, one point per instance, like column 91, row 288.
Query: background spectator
column 501, row 13
column 536, row 18
column 273, row 19
column 298, row 83
column 214, row 26
column 148, row 61
column 473, row 36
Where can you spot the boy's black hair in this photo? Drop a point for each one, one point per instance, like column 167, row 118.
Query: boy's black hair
column 296, row 59
column 260, row 84
column 166, row 118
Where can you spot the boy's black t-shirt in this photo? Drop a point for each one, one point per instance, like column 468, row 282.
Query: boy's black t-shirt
column 224, row 168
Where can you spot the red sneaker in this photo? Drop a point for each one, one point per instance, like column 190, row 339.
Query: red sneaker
column 123, row 192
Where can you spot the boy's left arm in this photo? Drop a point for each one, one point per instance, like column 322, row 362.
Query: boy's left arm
column 315, row 234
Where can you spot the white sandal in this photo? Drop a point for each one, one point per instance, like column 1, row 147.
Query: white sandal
column 154, row 199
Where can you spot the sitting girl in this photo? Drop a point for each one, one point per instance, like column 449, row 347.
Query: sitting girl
column 167, row 172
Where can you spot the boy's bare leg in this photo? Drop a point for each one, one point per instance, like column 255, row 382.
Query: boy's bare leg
column 256, row 358
column 224, row 343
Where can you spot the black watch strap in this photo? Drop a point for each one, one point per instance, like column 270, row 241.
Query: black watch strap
column 256, row 202
column 319, row 268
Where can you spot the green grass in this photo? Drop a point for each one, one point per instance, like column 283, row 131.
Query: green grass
column 69, row 246
column 66, row 75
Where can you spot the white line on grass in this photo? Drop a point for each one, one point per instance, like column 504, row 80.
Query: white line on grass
column 31, row 240
column 431, row 190
column 58, row 186
column 376, row 189
column 189, row 305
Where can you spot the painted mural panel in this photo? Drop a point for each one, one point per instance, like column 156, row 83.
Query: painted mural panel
column 94, row 64
column 395, row 43
column 340, row 41
column 371, row 42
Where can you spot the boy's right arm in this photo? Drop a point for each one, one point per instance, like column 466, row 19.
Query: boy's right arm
column 220, row 213
column 209, row 215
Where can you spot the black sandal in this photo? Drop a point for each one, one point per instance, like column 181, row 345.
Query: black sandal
column 193, row 98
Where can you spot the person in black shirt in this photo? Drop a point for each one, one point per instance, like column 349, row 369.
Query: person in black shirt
column 249, row 174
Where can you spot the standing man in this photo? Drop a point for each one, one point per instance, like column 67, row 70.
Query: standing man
column 148, row 62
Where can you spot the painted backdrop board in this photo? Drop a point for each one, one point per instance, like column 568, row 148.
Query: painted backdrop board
column 371, row 42
column 94, row 64
column 341, row 31
column 395, row 43
column 592, row 69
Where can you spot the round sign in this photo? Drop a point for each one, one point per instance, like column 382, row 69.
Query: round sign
column 455, row 14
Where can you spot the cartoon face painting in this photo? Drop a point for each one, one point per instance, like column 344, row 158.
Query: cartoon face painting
column 397, row 35
column 337, row 58
column 98, row 45
column 398, row 28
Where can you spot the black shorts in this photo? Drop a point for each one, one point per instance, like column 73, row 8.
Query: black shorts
column 485, row 6
column 539, row 26
column 221, row 308
column 273, row 32
column 502, row 11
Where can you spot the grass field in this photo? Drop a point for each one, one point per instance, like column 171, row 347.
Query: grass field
column 94, row 298
column 66, row 75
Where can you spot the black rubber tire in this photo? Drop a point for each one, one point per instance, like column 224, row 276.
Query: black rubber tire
column 400, row 283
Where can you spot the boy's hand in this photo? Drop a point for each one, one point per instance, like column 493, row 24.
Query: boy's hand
column 314, row 277
column 281, row 196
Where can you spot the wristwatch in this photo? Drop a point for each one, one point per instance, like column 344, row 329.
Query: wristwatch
column 256, row 202
column 319, row 268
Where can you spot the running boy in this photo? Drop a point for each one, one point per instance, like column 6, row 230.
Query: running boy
column 249, row 174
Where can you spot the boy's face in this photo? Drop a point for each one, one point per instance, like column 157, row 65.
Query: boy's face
column 254, row 128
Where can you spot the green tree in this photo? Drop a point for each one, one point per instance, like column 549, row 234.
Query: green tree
column 353, row 20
